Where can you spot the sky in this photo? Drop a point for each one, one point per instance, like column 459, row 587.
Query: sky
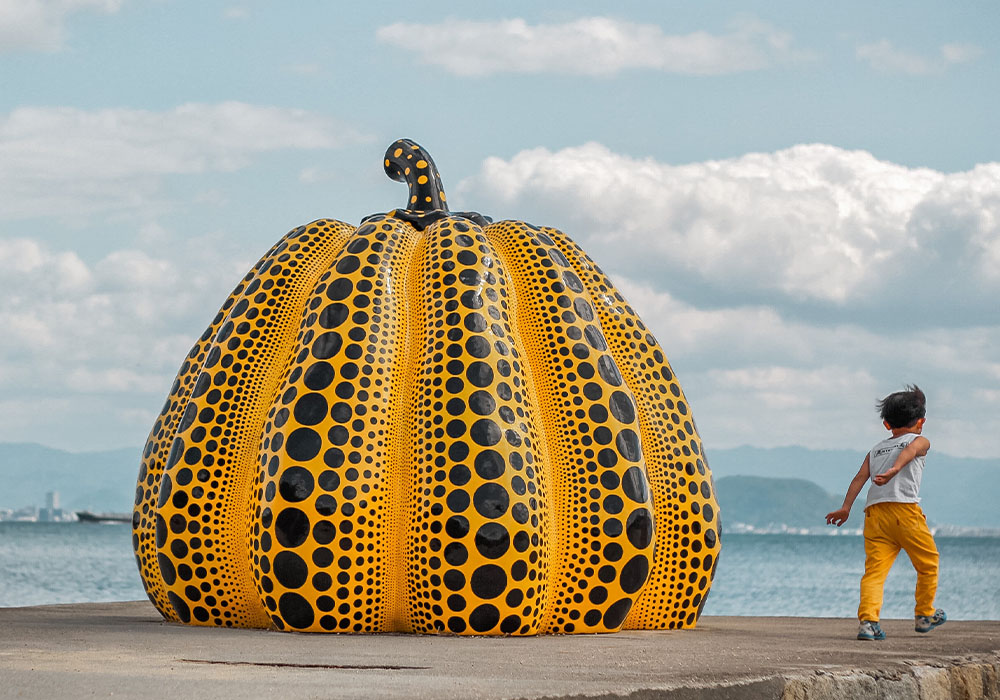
column 801, row 200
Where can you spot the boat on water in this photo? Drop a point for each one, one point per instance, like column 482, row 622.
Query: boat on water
column 86, row 516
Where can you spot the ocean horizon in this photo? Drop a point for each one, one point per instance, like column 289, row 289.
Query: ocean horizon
column 760, row 575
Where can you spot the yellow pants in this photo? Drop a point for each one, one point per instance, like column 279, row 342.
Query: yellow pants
column 890, row 527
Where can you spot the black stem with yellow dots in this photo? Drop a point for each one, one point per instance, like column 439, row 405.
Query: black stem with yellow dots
column 407, row 161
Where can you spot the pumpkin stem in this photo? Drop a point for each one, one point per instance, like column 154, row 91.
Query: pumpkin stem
column 405, row 161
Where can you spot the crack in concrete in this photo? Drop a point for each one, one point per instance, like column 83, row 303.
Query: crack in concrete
column 282, row 664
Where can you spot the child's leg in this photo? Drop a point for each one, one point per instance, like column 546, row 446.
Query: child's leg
column 880, row 552
column 919, row 545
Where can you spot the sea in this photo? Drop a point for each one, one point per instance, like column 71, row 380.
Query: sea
column 759, row 575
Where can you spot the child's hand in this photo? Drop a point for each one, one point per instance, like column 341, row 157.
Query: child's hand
column 838, row 517
column 883, row 478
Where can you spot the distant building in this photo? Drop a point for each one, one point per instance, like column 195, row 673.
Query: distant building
column 51, row 512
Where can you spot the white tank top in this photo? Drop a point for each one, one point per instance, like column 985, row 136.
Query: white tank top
column 905, row 486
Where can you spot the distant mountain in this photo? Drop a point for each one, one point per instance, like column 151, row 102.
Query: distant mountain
column 102, row 481
column 774, row 503
column 956, row 491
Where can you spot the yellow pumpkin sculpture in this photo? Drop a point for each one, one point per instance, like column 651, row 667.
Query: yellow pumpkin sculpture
column 429, row 423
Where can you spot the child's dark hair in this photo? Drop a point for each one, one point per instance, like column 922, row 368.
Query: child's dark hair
column 903, row 408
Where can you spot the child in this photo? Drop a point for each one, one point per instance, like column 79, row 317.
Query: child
column 893, row 520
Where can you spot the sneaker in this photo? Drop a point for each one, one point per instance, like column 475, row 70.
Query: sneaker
column 926, row 624
column 870, row 631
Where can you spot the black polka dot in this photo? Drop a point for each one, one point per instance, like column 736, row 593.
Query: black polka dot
column 609, row 371
column 296, row 484
column 615, row 615
column 480, row 374
column 491, row 500
column 348, row 264
column 635, row 485
column 290, row 569
column 310, row 409
column 490, row 464
column 291, row 527
column 181, row 608
column 622, row 407
column 482, row 403
column 484, row 618
column 475, row 322
column 340, row 289
column 488, row 581
column 167, row 570
column 456, row 554
column 327, row 345
column 333, row 315
column 634, row 573
column 628, row 445
column 303, row 444
column 639, row 528
column 485, row 432
column 295, row 610
column 492, row 540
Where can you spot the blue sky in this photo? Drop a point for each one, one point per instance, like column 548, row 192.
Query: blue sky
column 802, row 200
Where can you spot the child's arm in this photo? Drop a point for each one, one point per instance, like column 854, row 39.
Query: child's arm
column 917, row 448
column 839, row 517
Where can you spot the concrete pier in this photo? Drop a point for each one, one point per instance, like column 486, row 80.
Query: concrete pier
column 126, row 650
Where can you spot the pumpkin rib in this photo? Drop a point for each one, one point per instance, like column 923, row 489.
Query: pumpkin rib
column 674, row 457
column 326, row 496
column 201, row 531
column 473, row 439
column 600, row 492
column 158, row 444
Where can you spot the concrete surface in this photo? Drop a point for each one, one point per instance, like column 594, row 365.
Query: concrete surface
column 124, row 649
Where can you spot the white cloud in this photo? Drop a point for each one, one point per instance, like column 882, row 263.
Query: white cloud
column 85, row 162
column 597, row 46
column 884, row 56
column 39, row 24
column 757, row 377
column 812, row 226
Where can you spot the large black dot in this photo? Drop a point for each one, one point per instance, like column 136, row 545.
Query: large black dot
column 634, row 573
column 326, row 345
column 491, row 500
column 340, row 289
column 628, row 445
column 488, row 581
column 296, row 611
column 181, row 608
column 492, row 540
column 310, row 409
column 295, row 484
column 291, row 527
column 303, row 444
column 479, row 374
column 485, row 432
column 615, row 615
column 484, row 618
column 639, row 527
column 609, row 371
column 348, row 264
column 490, row 464
column 475, row 322
column 622, row 407
column 456, row 554
column 166, row 569
column 477, row 346
column 290, row 569
column 634, row 484
column 482, row 403
column 333, row 315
